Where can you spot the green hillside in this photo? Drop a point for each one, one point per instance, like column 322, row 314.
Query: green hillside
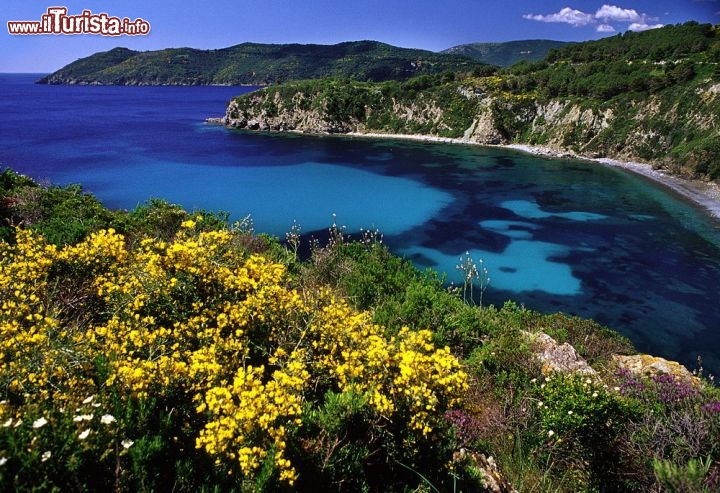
column 652, row 96
column 257, row 64
column 508, row 53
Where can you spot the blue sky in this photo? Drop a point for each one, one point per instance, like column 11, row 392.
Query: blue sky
column 432, row 25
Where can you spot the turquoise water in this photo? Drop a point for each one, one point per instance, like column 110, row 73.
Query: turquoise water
column 554, row 234
column 309, row 193
column 525, row 264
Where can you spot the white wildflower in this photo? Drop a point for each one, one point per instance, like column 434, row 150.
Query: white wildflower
column 83, row 417
column 17, row 423
column 45, row 456
column 3, row 461
column 89, row 400
column 551, row 433
column 127, row 443
column 39, row 423
column 107, row 419
column 8, row 423
column 84, row 434
column 570, row 413
column 595, row 394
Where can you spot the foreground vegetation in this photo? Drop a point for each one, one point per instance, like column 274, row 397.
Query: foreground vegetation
column 163, row 350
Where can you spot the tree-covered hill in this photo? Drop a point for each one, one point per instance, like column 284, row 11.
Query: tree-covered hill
column 652, row 97
column 257, row 64
column 635, row 63
column 507, row 53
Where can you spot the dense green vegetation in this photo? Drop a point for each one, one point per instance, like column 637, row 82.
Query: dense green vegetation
column 256, row 64
column 344, row 104
column 610, row 431
column 652, row 96
column 636, row 63
column 508, row 53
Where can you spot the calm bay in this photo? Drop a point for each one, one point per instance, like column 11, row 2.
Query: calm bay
column 554, row 234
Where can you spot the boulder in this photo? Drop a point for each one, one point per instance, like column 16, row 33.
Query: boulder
column 647, row 365
column 556, row 357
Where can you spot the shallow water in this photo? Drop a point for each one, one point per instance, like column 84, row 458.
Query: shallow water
column 554, row 234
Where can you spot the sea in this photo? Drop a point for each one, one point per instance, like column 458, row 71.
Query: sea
column 555, row 235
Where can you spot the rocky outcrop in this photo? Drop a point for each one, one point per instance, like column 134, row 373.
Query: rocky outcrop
column 492, row 478
column 284, row 119
column 554, row 357
column 644, row 365
column 563, row 358
column 484, row 130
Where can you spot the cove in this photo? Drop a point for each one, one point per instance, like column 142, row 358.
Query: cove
column 554, row 234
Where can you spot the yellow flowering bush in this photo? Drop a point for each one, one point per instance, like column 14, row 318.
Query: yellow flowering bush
column 401, row 373
column 190, row 341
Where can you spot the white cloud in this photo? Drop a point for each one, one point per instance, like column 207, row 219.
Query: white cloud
column 618, row 14
column 567, row 15
column 641, row 26
column 606, row 18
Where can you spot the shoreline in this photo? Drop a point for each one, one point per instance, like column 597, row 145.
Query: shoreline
column 703, row 194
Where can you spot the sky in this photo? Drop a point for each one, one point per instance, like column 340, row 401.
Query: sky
column 428, row 24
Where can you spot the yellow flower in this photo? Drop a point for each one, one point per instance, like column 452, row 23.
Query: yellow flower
column 217, row 330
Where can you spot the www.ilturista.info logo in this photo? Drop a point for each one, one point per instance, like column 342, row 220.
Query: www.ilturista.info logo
column 56, row 21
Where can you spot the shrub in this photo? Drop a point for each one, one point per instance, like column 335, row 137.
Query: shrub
column 193, row 363
column 579, row 420
column 678, row 423
column 64, row 215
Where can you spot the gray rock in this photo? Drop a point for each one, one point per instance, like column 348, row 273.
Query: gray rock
column 647, row 365
column 556, row 357
column 493, row 479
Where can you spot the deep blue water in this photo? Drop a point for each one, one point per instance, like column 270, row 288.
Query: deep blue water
column 554, row 234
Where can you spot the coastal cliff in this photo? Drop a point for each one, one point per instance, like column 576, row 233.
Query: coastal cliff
column 472, row 110
column 649, row 97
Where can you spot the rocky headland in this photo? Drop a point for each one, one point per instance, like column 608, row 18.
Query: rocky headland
column 558, row 128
